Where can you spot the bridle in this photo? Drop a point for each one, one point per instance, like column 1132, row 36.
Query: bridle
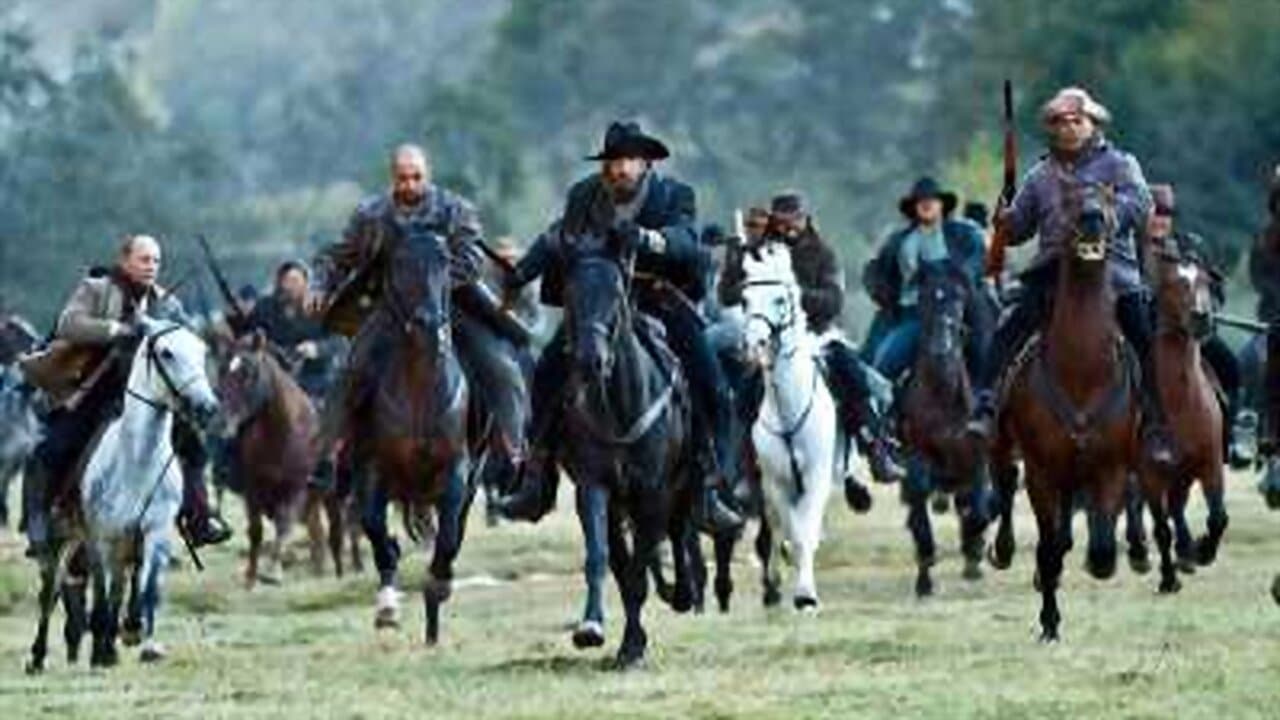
column 776, row 327
column 155, row 361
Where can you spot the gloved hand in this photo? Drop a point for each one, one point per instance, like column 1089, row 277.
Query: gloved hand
column 127, row 333
column 465, row 263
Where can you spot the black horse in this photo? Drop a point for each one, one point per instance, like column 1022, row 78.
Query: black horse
column 627, row 409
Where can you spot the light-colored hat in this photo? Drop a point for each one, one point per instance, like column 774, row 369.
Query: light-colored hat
column 1074, row 100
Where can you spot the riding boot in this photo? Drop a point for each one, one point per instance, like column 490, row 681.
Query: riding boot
column 1243, row 451
column 1157, row 445
column 711, row 512
column 871, row 427
column 35, row 507
column 538, row 482
column 196, row 520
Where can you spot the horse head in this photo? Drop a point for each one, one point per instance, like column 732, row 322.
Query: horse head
column 944, row 294
column 771, row 303
column 1094, row 207
column 244, row 382
column 169, row 372
column 19, row 426
column 1184, row 293
column 597, row 305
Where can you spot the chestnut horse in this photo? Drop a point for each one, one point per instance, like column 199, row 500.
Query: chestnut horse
column 1071, row 408
column 938, row 400
column 274, row 452
column 1184, row 316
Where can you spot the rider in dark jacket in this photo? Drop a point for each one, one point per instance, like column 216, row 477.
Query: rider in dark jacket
column 655, row 214
column 818, row 271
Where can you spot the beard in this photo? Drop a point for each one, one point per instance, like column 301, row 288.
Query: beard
column 408, row 198
column 623, row 189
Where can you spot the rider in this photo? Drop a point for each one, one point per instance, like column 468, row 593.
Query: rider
column 307, row 350
column 852, row 382
column 1160, row 232
column 387, row 239
column 86, row 368
column 931, row 238
column 1079, row 155
column 657, row 213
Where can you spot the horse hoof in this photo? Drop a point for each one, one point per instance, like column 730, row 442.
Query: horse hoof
column 723, row 604
column 972, row 570
column 1049, row 637
column 772, row 597
column 858, row 497
column 1101, row 567
column 1000, row 560
column 1273, row 499
column 152, row 652
column 1275, row 589
column 34, row 667
column 588, row 634
column 629, row 659
column 1206, row 552
column 940, row 504
column 270, row 579
column 1139, row 561
column 1170, row 585
column 806, row 605
column 387, row 614
column 104, row 659
column 1186, row 565
column 131, row 637
column 924, row 586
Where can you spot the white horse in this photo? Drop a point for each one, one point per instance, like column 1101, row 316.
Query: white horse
column 20, row 431
column 131, row 490
column 796, row 433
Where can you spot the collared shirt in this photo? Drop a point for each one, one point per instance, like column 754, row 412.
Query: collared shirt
column 920, row 246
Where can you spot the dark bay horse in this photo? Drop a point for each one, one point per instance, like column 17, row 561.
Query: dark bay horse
column 1071, row 409
column 627, row 410
column 408, row 433
column 275, row 451
column 1184, row 316
column 935, row 407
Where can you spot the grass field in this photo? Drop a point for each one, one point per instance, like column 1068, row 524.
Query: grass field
column 309, row 649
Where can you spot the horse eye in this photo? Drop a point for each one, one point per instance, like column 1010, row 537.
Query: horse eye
column 166, row 354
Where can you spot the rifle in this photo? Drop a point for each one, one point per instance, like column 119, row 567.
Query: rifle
column 995, row 256
column 237, row 316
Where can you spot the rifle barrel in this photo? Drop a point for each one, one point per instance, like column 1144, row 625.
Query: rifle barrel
column 1241, row 323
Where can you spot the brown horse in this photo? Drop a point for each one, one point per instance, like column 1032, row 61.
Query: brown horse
column 1184, row 311
column 407, row 415
column 1071, row 409
column 274, row 450
column 944, row 457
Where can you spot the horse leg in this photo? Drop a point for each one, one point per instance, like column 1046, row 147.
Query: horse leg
column 766, row 551
column 1006, row 485
column 1107, row 499
column 1135, row 532
column 724, row 543
column 282, row 524
column 972, row 512
column 1160, row 521
column 1216, row 522
column 73, row 604
column 621, row 559
column 255, row 542
column 155, row 558
column 1183, row 544
column 646, row 534
column 131, row 630
column 806, row 532
column 386, row 554
column 921, row 527
column 335, row 520
column 1047, row 503
column 697, row 570
column 593, row 516
column 453, row 507
column 311, row 514
column 48, row 600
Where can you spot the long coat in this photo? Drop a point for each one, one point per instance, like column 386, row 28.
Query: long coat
column 882, row 275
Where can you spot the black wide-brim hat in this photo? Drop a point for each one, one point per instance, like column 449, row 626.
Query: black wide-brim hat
column 627, row 140
column 926, row 188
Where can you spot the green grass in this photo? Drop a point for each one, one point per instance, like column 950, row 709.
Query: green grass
column 308, row 649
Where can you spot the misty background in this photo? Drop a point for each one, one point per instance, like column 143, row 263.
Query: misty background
column 261, row 123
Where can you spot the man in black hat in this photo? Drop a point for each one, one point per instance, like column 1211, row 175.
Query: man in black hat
column 931, row 238
column 629, row 199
